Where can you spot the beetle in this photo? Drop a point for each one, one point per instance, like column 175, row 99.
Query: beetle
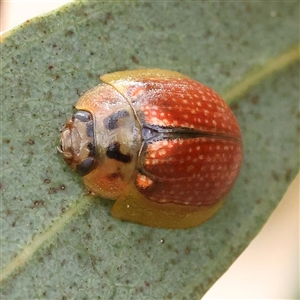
column 167, row 148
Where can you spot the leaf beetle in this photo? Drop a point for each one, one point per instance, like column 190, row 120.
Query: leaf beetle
column 167, row 148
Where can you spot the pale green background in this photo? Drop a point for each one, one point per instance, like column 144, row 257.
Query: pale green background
column 242, row 279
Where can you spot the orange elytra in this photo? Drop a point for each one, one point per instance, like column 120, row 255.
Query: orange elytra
column 167, row 148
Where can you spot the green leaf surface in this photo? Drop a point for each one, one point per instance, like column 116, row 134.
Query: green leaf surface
column 58, row 243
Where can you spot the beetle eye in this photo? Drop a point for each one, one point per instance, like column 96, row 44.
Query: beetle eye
column 82, row 116
column 86, row 166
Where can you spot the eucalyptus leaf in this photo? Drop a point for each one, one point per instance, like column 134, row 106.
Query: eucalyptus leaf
column 59, row 243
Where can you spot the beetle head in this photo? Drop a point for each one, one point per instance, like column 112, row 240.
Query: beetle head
column 77, row 142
